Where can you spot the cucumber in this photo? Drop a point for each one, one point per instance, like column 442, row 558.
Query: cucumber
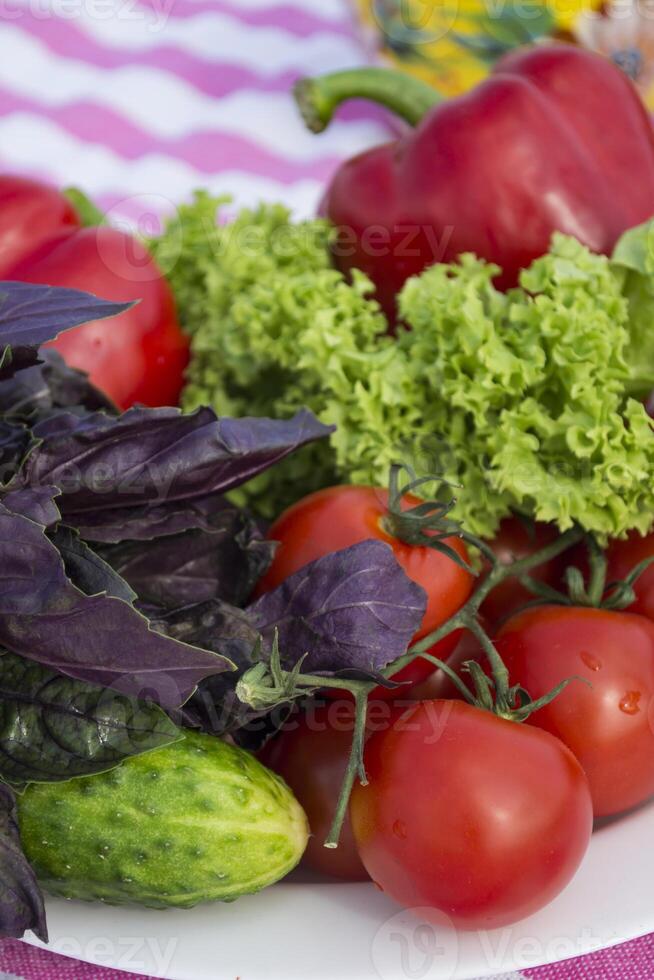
column 196, row 821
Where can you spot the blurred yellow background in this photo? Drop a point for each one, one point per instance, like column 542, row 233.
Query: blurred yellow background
column 453, row 44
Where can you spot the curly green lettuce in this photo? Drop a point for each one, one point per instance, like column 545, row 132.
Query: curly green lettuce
column 274, row 326
column 530, row 391
column 633, row 263
column 525, row 399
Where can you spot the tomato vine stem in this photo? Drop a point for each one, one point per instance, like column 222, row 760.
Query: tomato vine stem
column 466, row 618
column 263, row 687
column 355, row 767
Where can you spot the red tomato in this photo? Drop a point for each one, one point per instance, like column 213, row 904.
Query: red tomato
column 608, row 723
column 338, row 517
column 31, row 213
column 515, row 540
column 311, row 754
column 622, row 557
column 479, row 819
column 138, row 356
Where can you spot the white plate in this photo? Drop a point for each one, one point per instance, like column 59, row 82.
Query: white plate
column 308, row 931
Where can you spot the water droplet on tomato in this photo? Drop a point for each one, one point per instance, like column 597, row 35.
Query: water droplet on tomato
column 630, row 703
column 591, row 660
column 399, row 830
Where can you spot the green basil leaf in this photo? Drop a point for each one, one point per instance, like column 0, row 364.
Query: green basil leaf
column 53, row 727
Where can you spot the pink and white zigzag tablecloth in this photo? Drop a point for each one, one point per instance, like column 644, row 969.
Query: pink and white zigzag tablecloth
column 141, row 101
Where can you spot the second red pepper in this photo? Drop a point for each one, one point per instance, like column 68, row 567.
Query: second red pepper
column 137, row 357
column 556, row 139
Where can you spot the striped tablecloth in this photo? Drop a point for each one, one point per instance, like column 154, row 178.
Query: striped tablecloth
column 140, row 101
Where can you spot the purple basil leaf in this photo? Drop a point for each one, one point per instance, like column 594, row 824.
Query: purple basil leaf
column 50, row 386
column 220, row 627
column 21, row 901
column 14, row 440
column 30, row 315
column 255, row 444
column 260, row 727
column 214, row 625
column 86, row 569
column 113, row 525
column 99, row 639
column 38, row 504
column 55, row 728
column 149, row 521
column 157, row 456
column 223, row 560
column 354, row 609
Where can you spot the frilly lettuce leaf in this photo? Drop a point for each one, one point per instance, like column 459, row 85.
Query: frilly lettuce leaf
column 530, row 392
column 527, row 400
column 270, row 321
column 633, row 264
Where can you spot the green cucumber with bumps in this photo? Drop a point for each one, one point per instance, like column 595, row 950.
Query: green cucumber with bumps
column 196, row 821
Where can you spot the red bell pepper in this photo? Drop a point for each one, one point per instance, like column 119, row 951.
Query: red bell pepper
column 30, row 214
column 556, row 139
column 138, row 357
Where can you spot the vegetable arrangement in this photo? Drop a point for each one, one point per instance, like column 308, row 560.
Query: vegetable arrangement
column 92, row 679
column 126, row 623
column 156, row 632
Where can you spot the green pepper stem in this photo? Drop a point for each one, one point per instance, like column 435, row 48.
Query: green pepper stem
column 90, row 216
column 407, row 97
